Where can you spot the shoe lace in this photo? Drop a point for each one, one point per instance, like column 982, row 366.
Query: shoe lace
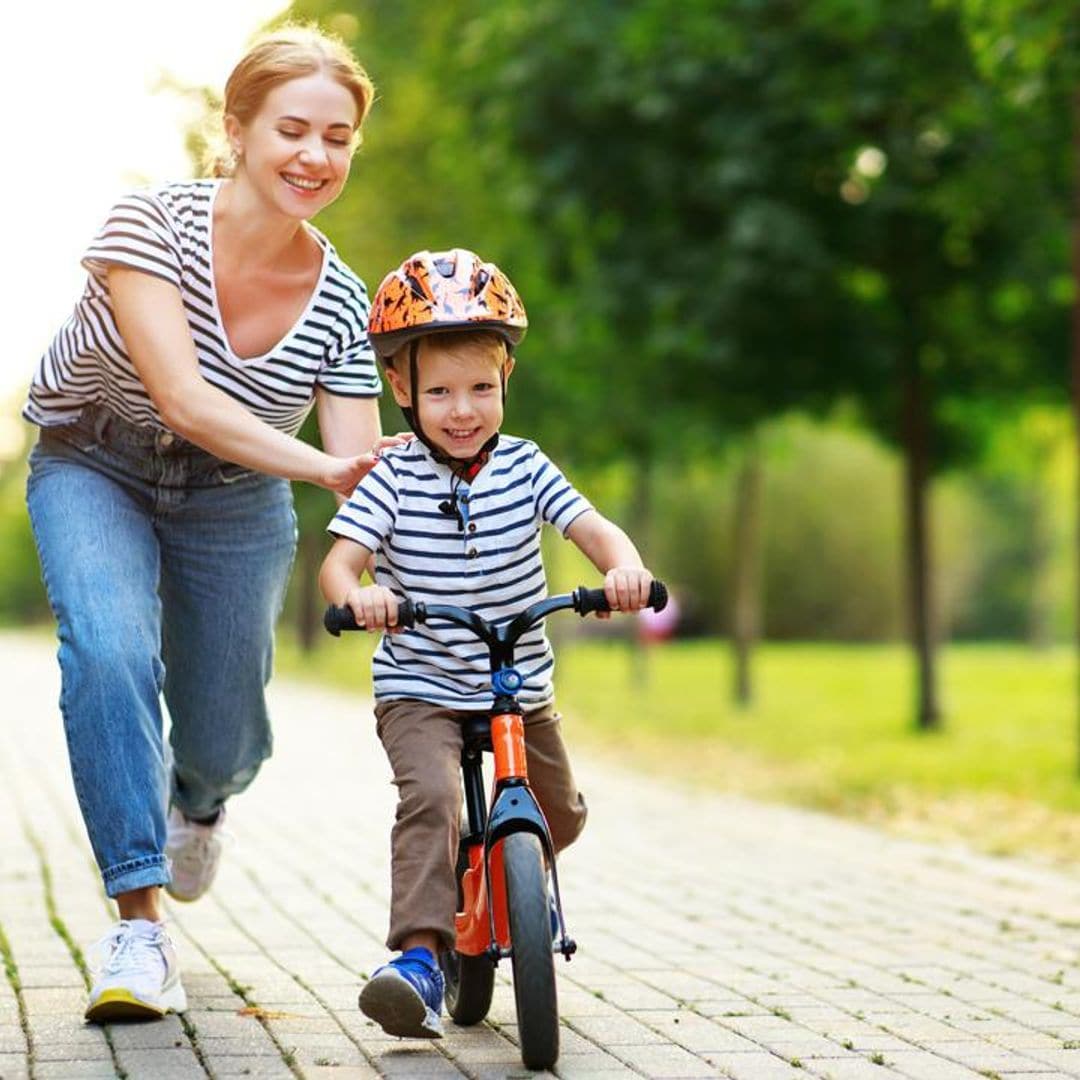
column 121, row 945
column 427, row 979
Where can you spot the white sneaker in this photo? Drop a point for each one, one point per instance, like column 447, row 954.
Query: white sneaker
column 136, row 976
column 194, row 852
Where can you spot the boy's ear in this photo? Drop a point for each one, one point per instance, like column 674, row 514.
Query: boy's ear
column 508, row 367
column 397, row 384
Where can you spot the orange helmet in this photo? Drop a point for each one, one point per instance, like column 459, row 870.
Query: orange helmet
column 435, row 291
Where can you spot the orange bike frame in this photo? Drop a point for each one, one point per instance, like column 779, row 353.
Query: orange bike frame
column 474, row 921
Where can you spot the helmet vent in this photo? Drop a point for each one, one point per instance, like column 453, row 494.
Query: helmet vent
column 445, row 267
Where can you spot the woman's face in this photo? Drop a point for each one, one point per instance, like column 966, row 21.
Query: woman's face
column 297, row 149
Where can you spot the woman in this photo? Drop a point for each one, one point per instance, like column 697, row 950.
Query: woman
column 213, row 315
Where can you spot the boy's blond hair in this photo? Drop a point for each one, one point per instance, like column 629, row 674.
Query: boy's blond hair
column 453, row 341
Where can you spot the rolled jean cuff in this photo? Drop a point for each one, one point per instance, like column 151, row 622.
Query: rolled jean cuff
column 136, row 874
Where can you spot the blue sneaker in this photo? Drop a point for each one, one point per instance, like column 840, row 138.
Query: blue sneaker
column 405, row 996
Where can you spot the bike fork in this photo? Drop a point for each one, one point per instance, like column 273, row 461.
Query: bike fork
column 514, row 809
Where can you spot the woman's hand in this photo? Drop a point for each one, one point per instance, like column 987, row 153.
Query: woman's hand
column 384, row 442
column 344, row 473
column 374, row 607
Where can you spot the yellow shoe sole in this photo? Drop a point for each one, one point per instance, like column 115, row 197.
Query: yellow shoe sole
column 122, row 1005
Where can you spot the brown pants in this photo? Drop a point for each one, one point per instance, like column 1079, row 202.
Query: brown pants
column 423, row 742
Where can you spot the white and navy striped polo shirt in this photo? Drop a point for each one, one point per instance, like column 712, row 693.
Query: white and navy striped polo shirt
column 491, row 565
column 167, row 232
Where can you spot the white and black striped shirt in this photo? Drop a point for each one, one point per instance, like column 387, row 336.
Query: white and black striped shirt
column 491, row 564
column 167, row 232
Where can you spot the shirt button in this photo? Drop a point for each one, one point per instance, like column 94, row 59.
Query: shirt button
column 167, row 438
column 472, row 553
column 472, row 526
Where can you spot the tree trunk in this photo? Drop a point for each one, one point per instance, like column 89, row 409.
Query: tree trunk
column 308, row 602
column 640, row 514
column 1040, row 624
column 916, row 489
column 746, row 575
column 1075, row 370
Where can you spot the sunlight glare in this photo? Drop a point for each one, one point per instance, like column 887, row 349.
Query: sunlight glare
column 84, row 126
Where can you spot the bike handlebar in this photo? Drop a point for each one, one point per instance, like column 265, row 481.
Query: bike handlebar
column 582, row 600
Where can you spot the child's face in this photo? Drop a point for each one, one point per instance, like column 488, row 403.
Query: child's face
column 460, row 394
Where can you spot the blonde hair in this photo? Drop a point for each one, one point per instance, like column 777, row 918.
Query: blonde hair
column 455, row 342
column 291, row 52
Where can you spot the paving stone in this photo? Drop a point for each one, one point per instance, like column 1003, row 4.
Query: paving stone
column 340, row 1072
column 13, row 1045
column 75, row 1070
column 245, row 1046
column 985, row 1057
column 310, row 1048
column 702, row 1036
column 923, row 1065
column 257, row 1068
column 159, row 1064
column 583, row 1067
column 798, row 937
column 852, row 1068
column 407, row 1064
column 14, row 1067
column 163, row 1034
column 617, row 1030
column 673, row 1061
column 755, row 1066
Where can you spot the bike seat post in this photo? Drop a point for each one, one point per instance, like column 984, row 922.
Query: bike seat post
column 476, row 738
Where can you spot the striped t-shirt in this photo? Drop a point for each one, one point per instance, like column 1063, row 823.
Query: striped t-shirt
column 167, row 232
column 490, row 565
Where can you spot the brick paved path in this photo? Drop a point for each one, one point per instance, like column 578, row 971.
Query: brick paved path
column 718, row 937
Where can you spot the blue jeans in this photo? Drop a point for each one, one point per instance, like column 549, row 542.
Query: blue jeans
column 166, row 569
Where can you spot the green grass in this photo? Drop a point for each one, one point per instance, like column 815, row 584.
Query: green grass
column 831, row 727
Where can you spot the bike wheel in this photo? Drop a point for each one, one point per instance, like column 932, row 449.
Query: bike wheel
column 470, row 982
column 533, row 960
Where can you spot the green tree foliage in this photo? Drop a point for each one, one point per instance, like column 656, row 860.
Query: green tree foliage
column 832, row 539
column 781, row 203
column 22, row 597
column 718, row 212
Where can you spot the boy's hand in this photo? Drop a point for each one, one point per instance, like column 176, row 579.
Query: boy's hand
column 374, row 607
column 627, row 588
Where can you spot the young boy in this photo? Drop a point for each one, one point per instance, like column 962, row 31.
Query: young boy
column 454, row 517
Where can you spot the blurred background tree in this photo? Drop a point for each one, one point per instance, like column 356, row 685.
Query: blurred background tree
column 799, row 284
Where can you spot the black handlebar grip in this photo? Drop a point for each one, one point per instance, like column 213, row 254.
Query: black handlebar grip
column 590, row 600
column 406, row 614
column 337, row 619
column 658, row 595
column 586, row 601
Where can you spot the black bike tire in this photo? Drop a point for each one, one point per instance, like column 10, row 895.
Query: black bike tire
column 470, row 984
column 532, row 959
